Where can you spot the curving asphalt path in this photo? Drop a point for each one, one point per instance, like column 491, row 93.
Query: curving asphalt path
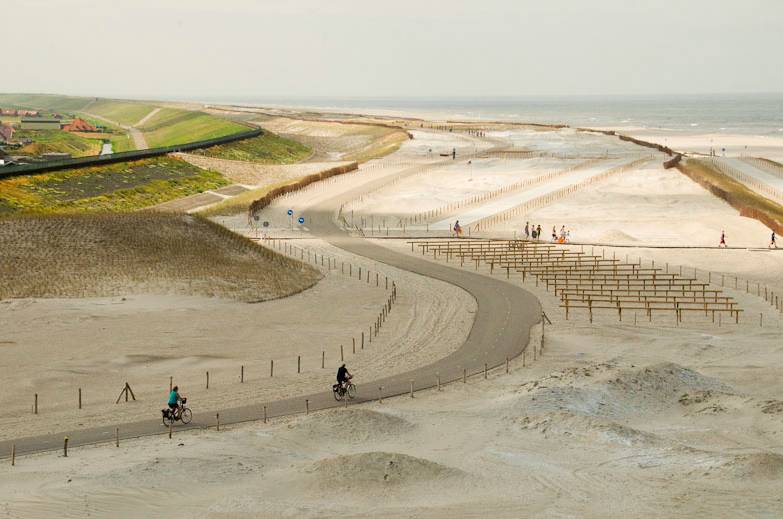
column 501, row 330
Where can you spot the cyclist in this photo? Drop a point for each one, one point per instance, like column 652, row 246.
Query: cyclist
column 343, row 376
column 174, row 400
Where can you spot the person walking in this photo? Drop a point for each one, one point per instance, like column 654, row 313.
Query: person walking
column 773, row 244
column 539, row 231
column 722, row 239
column 457, row 229
column 527, row 230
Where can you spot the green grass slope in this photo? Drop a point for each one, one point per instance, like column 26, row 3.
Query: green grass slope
column 44, row 102
column 123, row 112
column 265, row 149
column 172, row 126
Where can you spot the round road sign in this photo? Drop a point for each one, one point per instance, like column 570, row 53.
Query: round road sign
column 300, row 219
column 290, row 212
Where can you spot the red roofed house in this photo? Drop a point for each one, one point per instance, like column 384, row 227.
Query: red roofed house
column 6, row 132
column 79, row 125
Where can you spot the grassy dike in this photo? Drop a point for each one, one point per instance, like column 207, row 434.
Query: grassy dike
column 746, row 201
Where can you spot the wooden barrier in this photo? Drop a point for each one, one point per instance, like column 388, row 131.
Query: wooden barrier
column 589, row 281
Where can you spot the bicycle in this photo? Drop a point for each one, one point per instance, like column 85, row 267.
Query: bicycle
column 341, row 391
column 185, row 414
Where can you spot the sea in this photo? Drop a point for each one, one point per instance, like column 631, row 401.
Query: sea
column 751, row 114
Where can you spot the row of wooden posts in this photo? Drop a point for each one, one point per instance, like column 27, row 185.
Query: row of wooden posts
column 426, row 216
column 485, row 223
column 372, row 330
column 264, row 417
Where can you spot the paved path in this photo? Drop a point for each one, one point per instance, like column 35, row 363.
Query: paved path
column 501, row 329
column 147, row 117
column 138, row 137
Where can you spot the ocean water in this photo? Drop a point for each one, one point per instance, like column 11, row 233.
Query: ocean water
column 756, row 114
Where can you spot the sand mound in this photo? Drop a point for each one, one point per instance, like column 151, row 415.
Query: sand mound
column 566, row 424
column 759, row 465
column 379, row 468
column 133, row 253
column 612, row 393
column 351, row 426
column 616, row 236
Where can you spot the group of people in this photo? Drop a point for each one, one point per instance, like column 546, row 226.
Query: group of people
column 773, row 240
column 534, row 232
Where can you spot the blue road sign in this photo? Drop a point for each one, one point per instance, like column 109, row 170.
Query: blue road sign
column 301, row 219
column 290, row 212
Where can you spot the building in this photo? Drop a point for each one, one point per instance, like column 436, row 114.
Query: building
column 18, row 113
column 39, row 123
column 6, row 133
column 79, row 125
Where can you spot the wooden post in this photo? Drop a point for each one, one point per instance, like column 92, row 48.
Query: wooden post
column 464, row 375
column 438, row 377
column 13, row 454
column 353, row 343
column 342, row 357
column 307, row 406
column 171, row 384
column 485, row 371
column 271, row 368
column 380, row 389
column 507, row 366
column 171, row 425
column 117, row 436
column 264, row 414
column 80, row 398
column 207, row 379
column 298, row 363
column 217, row 421
column 242, row 374
column 411, row 388
column 761, row 320
column 35, row 405
column 323, row 359
column 65, row 447
column 362, row 340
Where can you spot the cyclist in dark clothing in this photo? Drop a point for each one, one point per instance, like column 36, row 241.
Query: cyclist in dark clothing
column 343, row 376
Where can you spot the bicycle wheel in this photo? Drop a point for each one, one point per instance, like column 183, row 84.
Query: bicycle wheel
column 186, row 416
column 338, row 395
column 351, row 391
column 166, row 420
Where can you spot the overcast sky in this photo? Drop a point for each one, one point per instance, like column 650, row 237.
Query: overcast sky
column 345, row 48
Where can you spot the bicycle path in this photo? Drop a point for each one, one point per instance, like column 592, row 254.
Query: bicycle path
column 501, row 328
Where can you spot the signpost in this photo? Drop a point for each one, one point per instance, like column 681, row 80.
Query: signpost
column 291, row 214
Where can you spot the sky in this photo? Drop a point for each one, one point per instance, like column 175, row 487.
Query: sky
column 401, row 48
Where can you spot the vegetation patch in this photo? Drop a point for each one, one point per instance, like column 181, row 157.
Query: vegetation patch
column 117, row 254
column 267, row 148
column 57, row 141
column 171, row 126
column 746, row 201
column 122, row 186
